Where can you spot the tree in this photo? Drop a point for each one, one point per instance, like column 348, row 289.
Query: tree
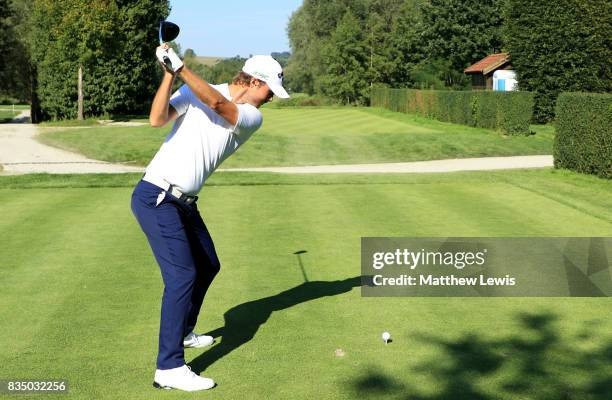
column 309, row 30
column 15, row 68
column 113, row 41
column 562, row 45
column 378, row 32
column 406, row 44
column 140, row 73
column 6, row 41
column 345, row 61
column 28, row 72
column 402, row 43
column 282, row 58
column 189, row 53
column 300, row 69
column 224, row 70
column 456, row 33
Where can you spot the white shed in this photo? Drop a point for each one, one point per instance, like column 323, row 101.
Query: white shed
column 504, row 80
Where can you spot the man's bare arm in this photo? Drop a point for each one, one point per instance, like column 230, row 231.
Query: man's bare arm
column 210, row 96
column 161, row 111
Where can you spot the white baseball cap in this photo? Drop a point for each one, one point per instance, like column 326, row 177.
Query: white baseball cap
column 267, row 69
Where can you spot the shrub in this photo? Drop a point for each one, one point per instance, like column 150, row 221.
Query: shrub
column 583, row 141
column 509, row 112
column 558, row 46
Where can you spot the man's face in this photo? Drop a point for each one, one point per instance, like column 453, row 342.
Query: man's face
column 270, row 94
column 261, row 91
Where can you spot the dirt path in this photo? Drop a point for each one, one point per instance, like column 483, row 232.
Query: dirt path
column 20, row 153
column 452, row 165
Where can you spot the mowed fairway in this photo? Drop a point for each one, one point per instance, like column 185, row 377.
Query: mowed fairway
column 81, row 292
column 313, row 136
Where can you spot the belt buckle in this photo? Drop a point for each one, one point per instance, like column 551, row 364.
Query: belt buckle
column 188, row 199
column 174, row 191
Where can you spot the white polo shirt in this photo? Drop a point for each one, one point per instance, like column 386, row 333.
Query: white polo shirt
column 200, row 140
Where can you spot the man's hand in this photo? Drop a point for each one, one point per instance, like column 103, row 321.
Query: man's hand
column 169, row 59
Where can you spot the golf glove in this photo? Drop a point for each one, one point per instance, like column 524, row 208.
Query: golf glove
column 169, row 59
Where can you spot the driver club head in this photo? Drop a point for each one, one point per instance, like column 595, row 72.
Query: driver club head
column 168, row 31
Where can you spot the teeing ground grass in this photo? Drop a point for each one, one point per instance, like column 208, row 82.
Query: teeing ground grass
column 81, row 292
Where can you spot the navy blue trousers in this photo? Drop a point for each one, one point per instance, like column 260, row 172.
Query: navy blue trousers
column 187, row 259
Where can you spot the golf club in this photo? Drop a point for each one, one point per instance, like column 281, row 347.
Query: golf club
column 168, row 31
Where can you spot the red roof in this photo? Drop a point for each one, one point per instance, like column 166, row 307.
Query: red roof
column 488, row 64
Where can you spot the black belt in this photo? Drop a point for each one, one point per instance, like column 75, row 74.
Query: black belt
column 169, row 188
column 187, row 199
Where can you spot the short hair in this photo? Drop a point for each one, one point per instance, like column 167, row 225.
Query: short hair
column 242, row 78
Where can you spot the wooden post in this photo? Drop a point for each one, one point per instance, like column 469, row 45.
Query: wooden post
column 80, row 110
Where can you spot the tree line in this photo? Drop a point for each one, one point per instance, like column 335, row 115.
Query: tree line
column 48, row 40
column 45, row 42
column 340, row 49
column 344, row 48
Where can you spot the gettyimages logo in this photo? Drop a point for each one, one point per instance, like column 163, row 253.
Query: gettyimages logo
column 487, row 266
column 413, row 259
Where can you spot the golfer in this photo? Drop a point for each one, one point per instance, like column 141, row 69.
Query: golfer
column 211, row 123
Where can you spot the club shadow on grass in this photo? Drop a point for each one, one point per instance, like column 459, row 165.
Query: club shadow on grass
column 243, row 321
column 538, row 363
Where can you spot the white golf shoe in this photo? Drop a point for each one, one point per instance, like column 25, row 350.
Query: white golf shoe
column 182, row 378
column 196, row 341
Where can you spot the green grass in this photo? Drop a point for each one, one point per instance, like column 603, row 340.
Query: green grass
column 545, row 130
column 311, row 136
column 19, row 107
column 6, row 116
column 81, row 291
column 88, row 122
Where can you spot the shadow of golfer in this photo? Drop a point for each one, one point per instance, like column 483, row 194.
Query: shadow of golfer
column 243, row 321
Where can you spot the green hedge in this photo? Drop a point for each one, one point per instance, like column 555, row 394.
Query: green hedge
column 509, row 112
column 583, row 141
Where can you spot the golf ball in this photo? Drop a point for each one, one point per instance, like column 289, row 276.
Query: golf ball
column 386, row 336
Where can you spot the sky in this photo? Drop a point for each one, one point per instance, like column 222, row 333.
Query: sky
column 233, row 27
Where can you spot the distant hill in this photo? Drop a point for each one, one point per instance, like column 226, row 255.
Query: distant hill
column 208, row 61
